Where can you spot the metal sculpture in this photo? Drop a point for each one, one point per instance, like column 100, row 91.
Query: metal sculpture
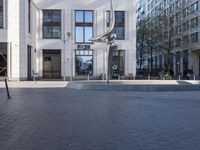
column 109, row 39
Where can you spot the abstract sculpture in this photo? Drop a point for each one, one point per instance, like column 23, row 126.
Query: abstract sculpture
column 109, row 39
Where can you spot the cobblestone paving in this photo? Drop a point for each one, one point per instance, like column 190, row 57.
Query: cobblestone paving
column 61, row 119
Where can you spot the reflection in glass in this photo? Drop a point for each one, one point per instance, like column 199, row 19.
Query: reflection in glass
column 88, row 16
column 118, row 63
column 79, row 34
column 56, row 16
column 3, row 59
column 47, row 31
column 51, row 23
column 84, row 63
column 88, row 34
column 119, row 32
column 79, row 16
column 56, row 31
column 119, row 15
column 119, row 29
column 84, row 26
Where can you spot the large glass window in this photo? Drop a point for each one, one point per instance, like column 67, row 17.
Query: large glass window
column 84, row 26
column 119, row 29
column 1, row 13
column 51, row 24
column 84, row 62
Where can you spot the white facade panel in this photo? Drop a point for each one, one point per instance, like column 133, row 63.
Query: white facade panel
column 18, row 36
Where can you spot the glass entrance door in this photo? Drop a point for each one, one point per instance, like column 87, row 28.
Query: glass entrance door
column 118, row 65
column 51, row 64
column 3, row 59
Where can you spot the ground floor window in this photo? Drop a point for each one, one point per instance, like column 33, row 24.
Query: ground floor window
column 178, row 60
column 199, row 65
column 118, row 65
column 3, row 59
column 29, row 68
column 84, row 62
column 185, row 60
column 51, row 64
column 160, row 62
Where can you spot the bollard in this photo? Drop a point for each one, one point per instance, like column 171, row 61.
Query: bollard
column 88, row 77
column 7, row 89
column 149, row 78
column 179, row 77
column 118, row 77
column 34, row 78
column 194, row 77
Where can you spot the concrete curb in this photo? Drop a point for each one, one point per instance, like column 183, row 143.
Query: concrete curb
column 133, row 87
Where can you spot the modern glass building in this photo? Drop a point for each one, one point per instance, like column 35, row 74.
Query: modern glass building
column 184, row 16
column 51, row 38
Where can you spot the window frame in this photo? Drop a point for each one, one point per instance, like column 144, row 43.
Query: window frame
column 29, row 16
column 84, row 25
column 2, row 7
column 117, row 25
column 51, row 24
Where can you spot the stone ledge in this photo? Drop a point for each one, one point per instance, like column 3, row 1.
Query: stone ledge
column 151, row 87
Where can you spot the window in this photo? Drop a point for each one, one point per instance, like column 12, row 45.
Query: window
column 119, row 28
column 194, row 22
column 194, row 37
column 185, row 26
column 29, row 16
column 194, row 7
column 171, row 8
column 51, row 24
column 178, row 17
column 1, row 13
column 161, row 5
column 84, row 62
column 178, row 29
column 84, row 26
column 186, row 40
column 178, row 4
column 178, row 42
column 186, row 12
column 165, row 2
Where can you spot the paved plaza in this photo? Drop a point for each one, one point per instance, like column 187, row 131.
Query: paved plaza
column 61, row 119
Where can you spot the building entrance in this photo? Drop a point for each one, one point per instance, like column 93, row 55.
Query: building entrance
column 51, row 64
column 117, row 67
column 3, row 59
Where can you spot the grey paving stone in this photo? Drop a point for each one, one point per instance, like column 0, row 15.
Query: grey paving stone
column 63, row 119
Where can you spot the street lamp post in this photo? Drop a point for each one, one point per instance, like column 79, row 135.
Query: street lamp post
column 65, row 38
